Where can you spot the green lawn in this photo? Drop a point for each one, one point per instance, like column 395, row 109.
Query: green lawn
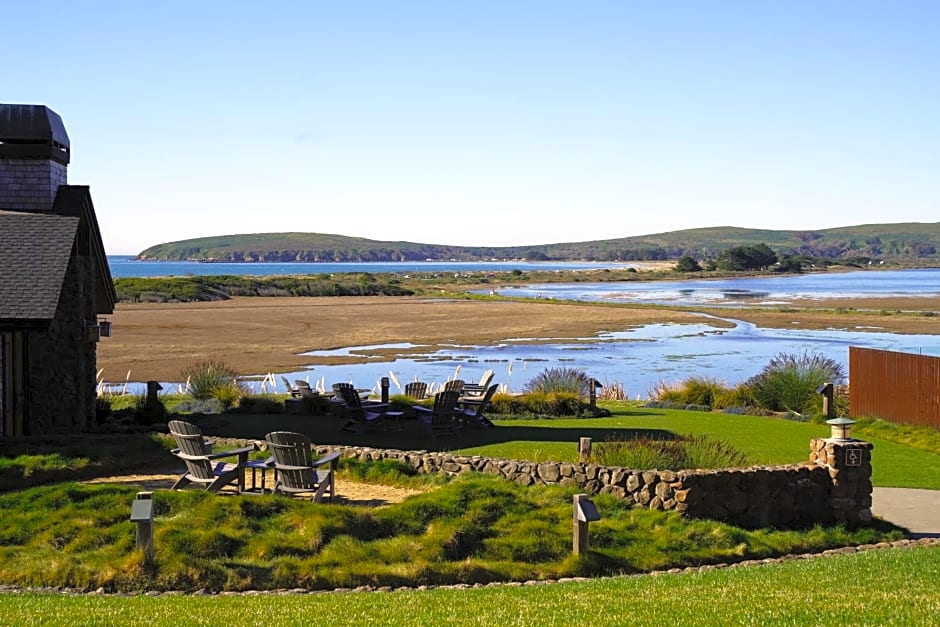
column 884, row 587
column 764, row 440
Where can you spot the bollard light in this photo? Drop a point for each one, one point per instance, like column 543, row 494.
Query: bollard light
column 840, row 428
column 584, row 512
column 142, row 514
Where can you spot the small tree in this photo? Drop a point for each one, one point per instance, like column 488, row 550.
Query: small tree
column 687, row 264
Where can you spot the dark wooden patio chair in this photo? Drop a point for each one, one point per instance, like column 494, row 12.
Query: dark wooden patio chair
column 471, row 390
column 201, row 466
column 441, row 418
column 361, row 416
column 296, row 471
column 471, row 410
column 417, row 390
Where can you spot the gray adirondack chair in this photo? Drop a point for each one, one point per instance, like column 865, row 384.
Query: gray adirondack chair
column 417, row 390
column 471, row 390
column 202, row 467
column 472, row 409
column 296, row 471
column 361, row 416
column 440, row 419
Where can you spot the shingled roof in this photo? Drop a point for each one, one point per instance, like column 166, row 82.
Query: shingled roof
column 34, row 255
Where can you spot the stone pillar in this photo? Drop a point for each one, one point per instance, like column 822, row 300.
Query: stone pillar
column 849, row 466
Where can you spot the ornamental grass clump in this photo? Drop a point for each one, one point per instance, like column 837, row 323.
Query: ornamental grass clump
column 701, row 391
column 679, row 453
column 554, row 380
column 789, row 382
column 212, row 379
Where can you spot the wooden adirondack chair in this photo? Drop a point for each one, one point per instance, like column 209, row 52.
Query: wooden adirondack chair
column 201, row 467
column 442, row 417
column 361, row 416
column 471, row 410
column 296, row 470
column 454, row 386
column 417, row 390
column 471, row 390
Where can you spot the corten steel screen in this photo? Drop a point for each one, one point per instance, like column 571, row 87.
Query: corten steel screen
column 901, row 387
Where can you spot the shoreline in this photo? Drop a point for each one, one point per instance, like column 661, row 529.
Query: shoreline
column 266, row 334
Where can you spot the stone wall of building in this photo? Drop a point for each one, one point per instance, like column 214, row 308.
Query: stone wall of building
column 62, row 360
column 30, row 184
column 821, row 490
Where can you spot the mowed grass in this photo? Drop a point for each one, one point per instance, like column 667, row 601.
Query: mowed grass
column 764, row 440
column 883, row 587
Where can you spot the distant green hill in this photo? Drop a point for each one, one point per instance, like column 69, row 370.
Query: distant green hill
column 912, row 240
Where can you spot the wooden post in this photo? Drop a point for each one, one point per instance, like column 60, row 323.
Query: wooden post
column 592, row 392
column 584, row 450
column 828, row 406
column 385, row 389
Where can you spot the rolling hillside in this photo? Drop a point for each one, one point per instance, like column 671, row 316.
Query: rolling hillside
column 876, row 241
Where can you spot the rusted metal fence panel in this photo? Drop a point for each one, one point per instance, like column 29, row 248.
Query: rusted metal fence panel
column 900, row 387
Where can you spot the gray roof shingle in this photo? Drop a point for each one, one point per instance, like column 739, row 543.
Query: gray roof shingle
column 34, row 255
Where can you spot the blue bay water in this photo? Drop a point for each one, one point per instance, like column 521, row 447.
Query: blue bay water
column 640, row 357
column 758, row 291
column 125, row 266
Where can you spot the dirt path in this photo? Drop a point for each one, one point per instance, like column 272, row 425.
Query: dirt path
column 347, row 492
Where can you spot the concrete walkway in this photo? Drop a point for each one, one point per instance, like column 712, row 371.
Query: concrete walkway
column 914, row 509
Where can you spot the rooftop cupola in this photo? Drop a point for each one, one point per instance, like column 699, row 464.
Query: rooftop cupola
column 33, row 132
column 34, row 156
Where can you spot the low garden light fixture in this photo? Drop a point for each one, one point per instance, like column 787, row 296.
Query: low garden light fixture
column 841, row 428
column 584, row 512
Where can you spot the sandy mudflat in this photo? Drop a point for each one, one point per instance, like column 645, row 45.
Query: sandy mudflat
column 253, row 335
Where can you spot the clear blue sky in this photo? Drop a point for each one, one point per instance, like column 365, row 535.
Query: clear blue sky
column 509, row 122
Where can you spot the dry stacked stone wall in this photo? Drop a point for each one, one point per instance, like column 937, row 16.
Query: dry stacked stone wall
column 821, row 490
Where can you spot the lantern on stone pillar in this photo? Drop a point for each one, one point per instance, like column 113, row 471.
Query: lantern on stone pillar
column 840, row 429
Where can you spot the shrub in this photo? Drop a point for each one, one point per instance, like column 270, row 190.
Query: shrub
column 692, row 391
column 553, row 380
column 228, row 393
column 196, row 406
column 540, row 404
column 204, row 377
column 789, row 382
column 738, row 396
column 102, row 408
column 689, row 452
column 149, row 411
column 261, row 404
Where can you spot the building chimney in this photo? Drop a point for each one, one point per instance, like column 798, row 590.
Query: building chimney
column 34, row 157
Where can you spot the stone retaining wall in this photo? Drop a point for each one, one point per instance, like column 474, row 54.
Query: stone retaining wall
column 821, row 490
